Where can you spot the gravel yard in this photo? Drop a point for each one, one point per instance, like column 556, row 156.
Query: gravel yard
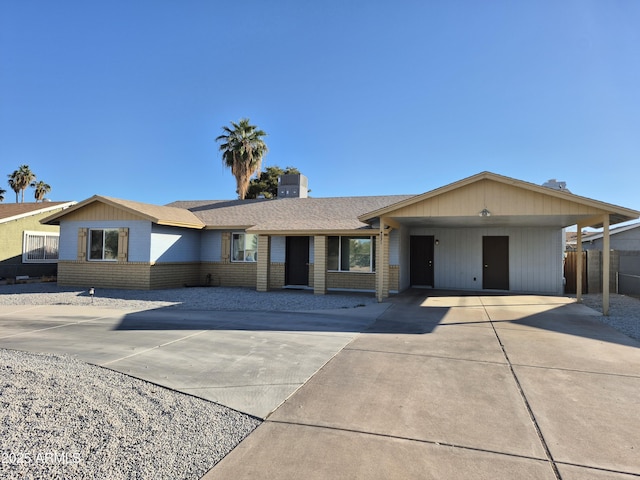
column 197, row 298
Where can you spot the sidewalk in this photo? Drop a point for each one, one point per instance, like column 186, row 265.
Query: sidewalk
column 495, row 387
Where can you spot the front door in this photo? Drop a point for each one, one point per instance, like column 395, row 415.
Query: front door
column 495, row 263
column 297, row 261
column 421, row 251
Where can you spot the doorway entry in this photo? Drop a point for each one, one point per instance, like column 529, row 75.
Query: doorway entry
column 495, row 262
column 297, row 261
column 421, row 263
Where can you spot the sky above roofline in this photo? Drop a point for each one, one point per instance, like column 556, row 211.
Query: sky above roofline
column 125, row 99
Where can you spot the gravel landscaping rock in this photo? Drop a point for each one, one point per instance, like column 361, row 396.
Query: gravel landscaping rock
column 624, row 312
column 62, row 418
column 197, row 298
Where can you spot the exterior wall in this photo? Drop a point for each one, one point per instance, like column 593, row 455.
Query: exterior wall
column 628, row 240
column 351, row 281
column 230, row 274
column 11, row 241
column 277, row 275
column 211, row 246
column 139, row 249
column 171, row 244
column 134, row 275
column 535, row 258
column 174, row 275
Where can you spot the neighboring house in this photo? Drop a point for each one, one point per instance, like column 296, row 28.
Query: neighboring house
column 483, row 232
column 625, row 238
column 28, row 248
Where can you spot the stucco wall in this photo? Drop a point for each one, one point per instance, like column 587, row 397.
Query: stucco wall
column 11, row 241
column 139, row 237
column 171, row 244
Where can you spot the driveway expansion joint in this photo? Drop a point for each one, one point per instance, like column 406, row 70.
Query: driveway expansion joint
column 527, row 405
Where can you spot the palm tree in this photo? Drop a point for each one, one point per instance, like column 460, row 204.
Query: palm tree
column 20, row 179
column 14, row 182
column 2, row 192
column 242, row 150
column 41, row 190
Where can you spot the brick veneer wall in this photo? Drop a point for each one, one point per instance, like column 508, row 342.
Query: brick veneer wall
column 135, row 275
column 173, row 275
column 230, row 274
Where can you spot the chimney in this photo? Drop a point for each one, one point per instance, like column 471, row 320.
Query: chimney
column 293, row 186
column 555, row 185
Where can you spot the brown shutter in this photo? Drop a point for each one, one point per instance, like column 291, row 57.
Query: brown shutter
column 123, row 244
column 82, row 244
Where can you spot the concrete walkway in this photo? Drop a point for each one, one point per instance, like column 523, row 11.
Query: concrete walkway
column 461, row 387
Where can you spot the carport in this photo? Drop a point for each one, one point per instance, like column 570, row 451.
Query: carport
column 488, row 232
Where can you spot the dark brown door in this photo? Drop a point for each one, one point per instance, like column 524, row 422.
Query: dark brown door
column 495, row 263
column 297, row 261
column 421, row 251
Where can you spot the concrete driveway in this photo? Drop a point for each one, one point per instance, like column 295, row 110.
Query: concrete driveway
column 249, row 361
column 439, row 386
column 452, row 387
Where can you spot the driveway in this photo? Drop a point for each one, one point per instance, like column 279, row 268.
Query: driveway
column 249, row 361
column 448, row 387
column 429, row 385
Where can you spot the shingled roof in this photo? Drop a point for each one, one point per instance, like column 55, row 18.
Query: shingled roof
column 14, row 211
column 288, row 215
column 158, row 214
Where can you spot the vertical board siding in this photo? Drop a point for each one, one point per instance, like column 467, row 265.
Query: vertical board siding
column 535, row 258
column 139, row 238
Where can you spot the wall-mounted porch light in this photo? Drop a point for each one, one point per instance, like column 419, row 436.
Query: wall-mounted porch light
column 484, row 213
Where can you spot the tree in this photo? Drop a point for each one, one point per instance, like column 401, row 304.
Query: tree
column 14, row 183
column 41, row 190
column 242, row 150
column 20, row 179
column 266, row 184
column 2, row 192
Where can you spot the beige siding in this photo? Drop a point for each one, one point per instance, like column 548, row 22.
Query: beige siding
column 100, row 212
column 498, row 198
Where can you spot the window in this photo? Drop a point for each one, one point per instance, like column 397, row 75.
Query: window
column 351, row 254
column 40, row 247
column 244, row 247
column 103, row 244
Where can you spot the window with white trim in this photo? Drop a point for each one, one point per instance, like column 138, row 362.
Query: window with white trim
column 103, row 244
column 351, row 254
column 40, row 247
column 244, row 247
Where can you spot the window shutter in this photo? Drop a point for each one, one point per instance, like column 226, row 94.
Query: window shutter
column 123, row 244
column 82, row 244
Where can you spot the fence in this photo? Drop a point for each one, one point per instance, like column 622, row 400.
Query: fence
column 570, row 272
column 624, row 275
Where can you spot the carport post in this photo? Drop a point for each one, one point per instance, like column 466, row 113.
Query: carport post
column 579, row 265
column 606, row 264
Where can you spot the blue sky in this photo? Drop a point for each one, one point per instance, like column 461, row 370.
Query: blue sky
column 125, row 98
